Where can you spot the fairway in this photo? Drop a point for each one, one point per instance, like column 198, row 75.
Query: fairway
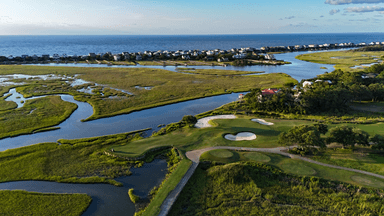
column 259, row 157
column 221, row 153
column 368, row 181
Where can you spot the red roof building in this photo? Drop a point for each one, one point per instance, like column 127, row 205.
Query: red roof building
column 269, row 91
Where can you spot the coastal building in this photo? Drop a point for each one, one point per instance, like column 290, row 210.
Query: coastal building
column 222, row 59
column 239, row 56
column 10, row 57
column 45, row 57
column 185, row 57
column 56, row 56
column 139, row 58
column 24, row 56
column 307, row 84
column 270, row 57
column 116, row 57
column 35, row 57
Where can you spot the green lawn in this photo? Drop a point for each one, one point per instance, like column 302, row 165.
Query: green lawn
column 193, row 138
column 79, row 161
column 30, row 203
column 343, row 60
column 35, row 114
column 256, row 189
column 362, row 158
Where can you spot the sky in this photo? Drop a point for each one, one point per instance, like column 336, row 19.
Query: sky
column 196, row 17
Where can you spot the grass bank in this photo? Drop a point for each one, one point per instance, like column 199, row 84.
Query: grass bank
column 30, row 203
column 247, row 188
column 77, row 161
column 34, row 115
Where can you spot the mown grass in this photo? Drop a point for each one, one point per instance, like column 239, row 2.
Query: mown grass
column 361, row 158
column 188, row 139
column 168, row 87
column 297, row 167
column 30, row 203
column 47, row 112
column 78, row 161
column 343, row 60
column 247, row 188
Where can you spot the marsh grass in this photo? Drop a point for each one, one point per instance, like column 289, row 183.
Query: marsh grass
column 47, row 112
column 218, row 72
column 343, row 60
column 44, row 204
column 168, row 87
column 78, row 161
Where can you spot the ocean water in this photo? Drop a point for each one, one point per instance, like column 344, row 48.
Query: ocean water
column 82, row 45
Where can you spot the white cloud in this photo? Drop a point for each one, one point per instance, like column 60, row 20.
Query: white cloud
column 363, row 9
column 334, row 11
column 344, row 2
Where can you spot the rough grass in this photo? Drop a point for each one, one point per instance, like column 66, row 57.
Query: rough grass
column 369, row 106
column 30, row 203
column 257, row 189
column 169, row 184
column 79, row 161
column 168, row 87
column 47, row 112
column 343, row 60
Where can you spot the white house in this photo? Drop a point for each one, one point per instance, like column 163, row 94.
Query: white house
column 307, row 84
column 185, row 57
column 116, row 57
column 239, row 56
column 210, row 52
column 270, row 57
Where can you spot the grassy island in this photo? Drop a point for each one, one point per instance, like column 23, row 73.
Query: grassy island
column 30, row 203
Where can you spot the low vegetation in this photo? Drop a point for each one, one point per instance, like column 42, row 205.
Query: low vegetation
column 217, row 72
column 34, row 115
column 134, row 198
column 343, row 60
column 44, row 204
column 167, row 86
column 253, row 188
column 77, row 161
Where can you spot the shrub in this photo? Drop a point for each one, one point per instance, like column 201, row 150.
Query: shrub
column 134, row 198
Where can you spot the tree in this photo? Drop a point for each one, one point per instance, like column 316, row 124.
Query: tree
column 377, row 91
column 305, row 136
column 348, row 136
column 378, row 142
column 322, row 128
column 189, row 119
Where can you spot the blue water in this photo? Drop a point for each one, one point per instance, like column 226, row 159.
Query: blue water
column 81, row 45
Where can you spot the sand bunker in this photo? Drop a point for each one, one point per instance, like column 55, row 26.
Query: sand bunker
column 203, row 123
column 262, row 121
column 241, row 136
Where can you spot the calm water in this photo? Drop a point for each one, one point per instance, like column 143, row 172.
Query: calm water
column 73, row 128
column 106, row 199
column 81, row 45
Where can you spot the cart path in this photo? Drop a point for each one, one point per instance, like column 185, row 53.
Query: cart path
column 194, row 156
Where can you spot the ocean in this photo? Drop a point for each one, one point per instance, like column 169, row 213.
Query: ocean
column 82, row 45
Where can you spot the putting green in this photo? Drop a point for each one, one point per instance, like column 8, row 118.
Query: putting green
column 298, row 169
column 368, row 181
column 221, row 153
column 257, row 157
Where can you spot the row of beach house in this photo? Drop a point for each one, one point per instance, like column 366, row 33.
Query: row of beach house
column 187, row 54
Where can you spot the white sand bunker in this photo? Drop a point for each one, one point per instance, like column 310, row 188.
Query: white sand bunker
column 203, row 123
column 241, row 136
column 262, row 121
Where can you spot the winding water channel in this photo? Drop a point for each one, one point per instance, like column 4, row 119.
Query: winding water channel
column 111, row 200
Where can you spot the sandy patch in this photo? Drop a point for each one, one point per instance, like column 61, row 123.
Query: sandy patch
column 262, row 121
column 241, row 136
column 203, row 123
